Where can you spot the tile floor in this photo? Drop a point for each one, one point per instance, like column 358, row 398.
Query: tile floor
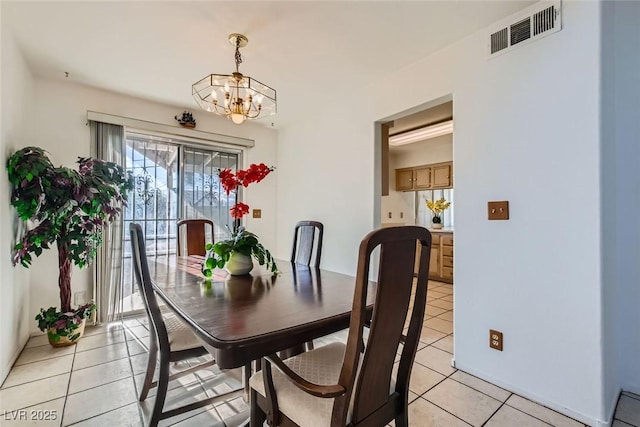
column 96, row 383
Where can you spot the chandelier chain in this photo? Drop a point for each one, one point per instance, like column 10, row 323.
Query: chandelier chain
column 238, row 56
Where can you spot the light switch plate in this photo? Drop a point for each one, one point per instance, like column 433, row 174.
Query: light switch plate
column 257, row 213
column 498, row 210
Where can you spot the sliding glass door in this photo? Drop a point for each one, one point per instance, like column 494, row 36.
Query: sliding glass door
column 172, row 180
column 202, row 192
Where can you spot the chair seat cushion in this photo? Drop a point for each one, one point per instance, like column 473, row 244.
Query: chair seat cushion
column 320, row 366
column 180, row 335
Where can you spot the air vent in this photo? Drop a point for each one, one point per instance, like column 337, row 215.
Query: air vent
column 521, row 31
column 500, row 40
column 535, row 22
column 544, row 20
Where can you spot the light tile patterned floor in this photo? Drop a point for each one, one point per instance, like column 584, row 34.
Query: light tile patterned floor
column 96, row 383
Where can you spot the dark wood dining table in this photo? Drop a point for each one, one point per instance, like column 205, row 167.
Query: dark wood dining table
column 243, row 318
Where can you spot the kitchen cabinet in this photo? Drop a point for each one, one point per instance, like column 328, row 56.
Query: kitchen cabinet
column 441, row 176
column 434, row 259
column 441, row 262
column 438, row 175
column 409, row 179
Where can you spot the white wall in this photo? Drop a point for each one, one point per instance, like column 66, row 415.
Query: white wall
column 535, row 277
column 620, row 151
column 61, row 117
column 435, row 150
column 15, row 125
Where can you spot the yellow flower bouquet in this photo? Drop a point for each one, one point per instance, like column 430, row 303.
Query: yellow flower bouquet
column 437, row 207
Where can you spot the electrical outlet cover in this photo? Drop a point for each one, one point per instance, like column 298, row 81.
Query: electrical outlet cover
column 495, row 339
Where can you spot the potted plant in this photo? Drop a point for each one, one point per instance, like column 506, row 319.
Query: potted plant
column 68, row 208
column 235, row 254
column 437, row 207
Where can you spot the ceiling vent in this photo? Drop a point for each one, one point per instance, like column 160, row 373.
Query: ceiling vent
column 535, row 22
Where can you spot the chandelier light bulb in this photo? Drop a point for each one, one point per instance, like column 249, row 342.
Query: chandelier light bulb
column 238, row 118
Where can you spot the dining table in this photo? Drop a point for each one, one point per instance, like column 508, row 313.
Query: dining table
column 243, row 318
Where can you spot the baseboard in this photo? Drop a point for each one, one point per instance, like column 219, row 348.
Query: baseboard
column 7, row 369
column 612, row 410
column 541, row 400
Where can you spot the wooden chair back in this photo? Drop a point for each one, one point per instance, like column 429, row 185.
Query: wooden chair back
column 159, row 343
column 396, row 293
column 158, row 330
column 304, row 238
column 195, row 231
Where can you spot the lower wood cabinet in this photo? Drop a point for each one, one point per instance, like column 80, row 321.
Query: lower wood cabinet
column 441, row 262
column 434, row 259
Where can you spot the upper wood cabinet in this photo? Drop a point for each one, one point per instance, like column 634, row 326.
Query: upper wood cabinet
column 439, row 175
column 421, row 177
column 404, row 179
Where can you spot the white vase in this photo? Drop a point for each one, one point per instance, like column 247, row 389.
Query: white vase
column 239, row 264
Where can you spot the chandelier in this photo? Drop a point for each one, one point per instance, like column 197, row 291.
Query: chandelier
column 236, row 96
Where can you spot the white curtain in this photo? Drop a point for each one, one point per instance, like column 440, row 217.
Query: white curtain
column 107, row 143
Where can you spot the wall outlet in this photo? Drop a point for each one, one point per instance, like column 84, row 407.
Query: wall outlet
column 401, row 215
column 257, row 213
column 390, row 215
column 495, row 340
column 80, row 298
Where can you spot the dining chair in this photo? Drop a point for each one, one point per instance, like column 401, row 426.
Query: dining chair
column 304, row 238
column 169, row 336
column 196, row 236
column 336, row 384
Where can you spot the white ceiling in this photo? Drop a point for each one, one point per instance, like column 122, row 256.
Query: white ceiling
column 309, row 51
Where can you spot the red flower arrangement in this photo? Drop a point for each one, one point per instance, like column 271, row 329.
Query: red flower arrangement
column 231, row 181
column 241, row 241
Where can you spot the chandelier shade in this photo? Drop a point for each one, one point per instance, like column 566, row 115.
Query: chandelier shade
column 236, row 96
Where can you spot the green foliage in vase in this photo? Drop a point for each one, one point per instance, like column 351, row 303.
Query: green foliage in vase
column 63, row 324
column 243, row 242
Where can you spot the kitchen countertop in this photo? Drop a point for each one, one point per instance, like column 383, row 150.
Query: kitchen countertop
column 441, row 230
column 432, row 230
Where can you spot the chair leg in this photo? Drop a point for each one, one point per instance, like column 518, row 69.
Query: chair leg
column 246, row 374
column 258, row 417
column 163, row 385
column 151, row 367
column 309, row 345
column 402, row 419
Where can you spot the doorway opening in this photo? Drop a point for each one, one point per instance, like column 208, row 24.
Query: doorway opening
column 416, row 169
